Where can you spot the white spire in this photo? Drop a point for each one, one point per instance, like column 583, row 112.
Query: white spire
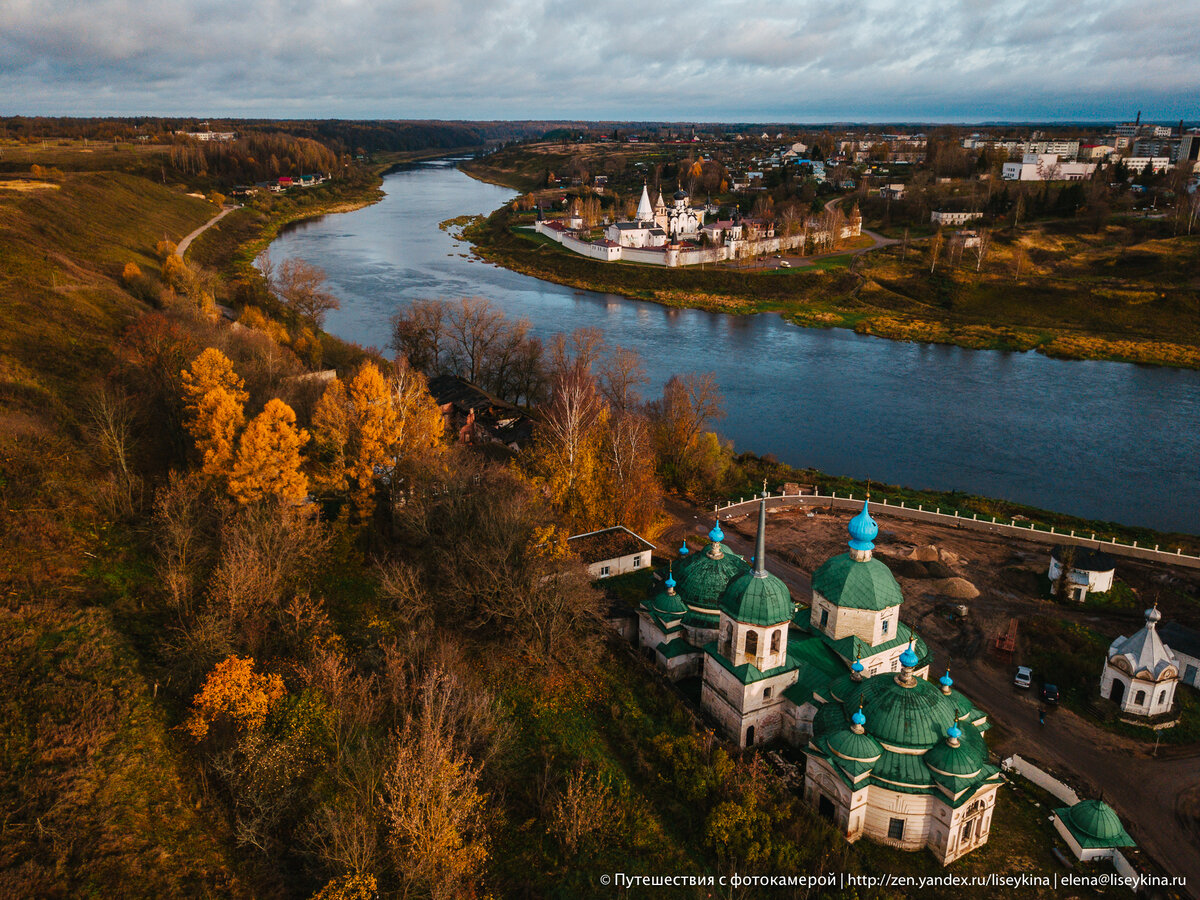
column 645, row 212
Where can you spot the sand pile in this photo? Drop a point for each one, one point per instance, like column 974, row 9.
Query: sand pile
column 958, row 588
column 928, row 553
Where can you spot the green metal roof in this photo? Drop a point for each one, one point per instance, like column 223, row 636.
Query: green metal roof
column 703, row 579
column 757, row 600
column 960, row 761
column 853, row 746
column 1094, row 824
column 694, row 618
column 915, row 716
column 676, row 647
column 858, row 585
column 903, row 772
column 668, row 605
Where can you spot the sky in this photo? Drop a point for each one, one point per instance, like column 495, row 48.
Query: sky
column 706, row 60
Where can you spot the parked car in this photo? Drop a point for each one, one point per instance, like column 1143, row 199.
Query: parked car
column 1050, row 693
column 1024, row 677
column 785, row 265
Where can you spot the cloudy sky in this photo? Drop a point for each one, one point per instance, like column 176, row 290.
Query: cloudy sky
column 713, row 60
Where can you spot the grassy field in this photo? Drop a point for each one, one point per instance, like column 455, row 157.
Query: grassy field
column 94, row 798
column 1129, row 292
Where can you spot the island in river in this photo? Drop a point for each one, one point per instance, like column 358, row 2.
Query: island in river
column 1123, row 289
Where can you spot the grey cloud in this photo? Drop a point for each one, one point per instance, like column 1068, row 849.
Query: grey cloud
column 624, row 59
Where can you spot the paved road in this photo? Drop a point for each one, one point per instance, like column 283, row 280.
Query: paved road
column 182, row 246
column 1144, row 790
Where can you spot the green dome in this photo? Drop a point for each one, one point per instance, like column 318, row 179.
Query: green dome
column 757, row 600
column 915, row 716
column 858, row 585
column 703, row 578
column 1096, row 820
column 858, row 747
column 961, row 761
column 668, row 605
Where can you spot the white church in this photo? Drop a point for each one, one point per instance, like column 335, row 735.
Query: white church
column 658, row 224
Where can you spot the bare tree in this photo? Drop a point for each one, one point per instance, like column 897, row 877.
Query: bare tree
column 301, row 286
column 111, row 422
column 621, row 372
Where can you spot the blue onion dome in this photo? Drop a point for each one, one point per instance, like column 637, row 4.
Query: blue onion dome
column 863, row 530
column 909, row 658
column 946, row 682
column 670, row 582
column 857, row 668
column 858, row 718
column 716, row 535
column 954, row 732
column 684, row 551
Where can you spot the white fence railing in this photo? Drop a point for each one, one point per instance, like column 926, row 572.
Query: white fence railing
column 986, row 523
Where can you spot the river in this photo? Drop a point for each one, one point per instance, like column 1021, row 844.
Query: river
column 1095, row 439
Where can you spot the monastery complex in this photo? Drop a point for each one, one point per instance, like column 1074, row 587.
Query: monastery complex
column 678, row 235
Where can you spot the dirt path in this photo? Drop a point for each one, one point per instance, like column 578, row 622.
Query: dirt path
column 182, row 246
column 1146, row 791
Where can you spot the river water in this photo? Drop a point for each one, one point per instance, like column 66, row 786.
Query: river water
column 1095, row 439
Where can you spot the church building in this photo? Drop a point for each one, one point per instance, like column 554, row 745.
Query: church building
column 890, row 755
column 1141, row 673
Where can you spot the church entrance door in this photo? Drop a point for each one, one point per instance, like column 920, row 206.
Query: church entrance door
column 1117, row 694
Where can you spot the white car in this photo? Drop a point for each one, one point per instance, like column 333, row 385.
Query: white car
column 785, row 265
column 1024, row 677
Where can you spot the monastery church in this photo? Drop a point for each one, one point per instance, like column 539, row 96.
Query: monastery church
column 889, row 754
column 656, row 225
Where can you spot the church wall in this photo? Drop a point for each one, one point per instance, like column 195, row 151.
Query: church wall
column 737, row 706
column 652, row 257
column 865, row 624
column 602, row 252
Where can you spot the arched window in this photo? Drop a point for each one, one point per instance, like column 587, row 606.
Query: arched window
column 775, row 640
column 1139, row 698
column 1162, row 696
column 752, row 643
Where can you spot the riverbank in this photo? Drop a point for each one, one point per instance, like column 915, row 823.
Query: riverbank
column 1125, row 295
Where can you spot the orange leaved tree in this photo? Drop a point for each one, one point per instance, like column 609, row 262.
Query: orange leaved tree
column 267, row 466
column 374, row 424
column 236, row 695
column 214, row 396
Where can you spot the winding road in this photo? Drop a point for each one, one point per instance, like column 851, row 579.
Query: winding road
column 182, row 246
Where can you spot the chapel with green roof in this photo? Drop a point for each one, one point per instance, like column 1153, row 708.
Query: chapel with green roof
column 890, row 755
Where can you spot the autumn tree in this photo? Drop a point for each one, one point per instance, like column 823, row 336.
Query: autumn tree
column 267, row 466
column 417, row 442
column 214, row 397
column 565, row 452
column 233, row 694
column 302, row 287
column 435, row 809
column 373, row 419
column 331, row 438
column 690, row 404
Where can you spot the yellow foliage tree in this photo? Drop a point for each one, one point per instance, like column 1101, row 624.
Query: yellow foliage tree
column 373, row 419
column 213, row 397
column 331, row 438
column 131, row 273
column 233, row 692
column 267, row 466
column 419, row 438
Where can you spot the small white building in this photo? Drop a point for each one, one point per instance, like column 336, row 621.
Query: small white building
column 1156, row 164
column 1091, row 829
column 611, row 551
column 1185, row 645
column 1141, row 672
column 892, row 192
column 948, row 217
column 1090, row 570
column 1046, row 167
